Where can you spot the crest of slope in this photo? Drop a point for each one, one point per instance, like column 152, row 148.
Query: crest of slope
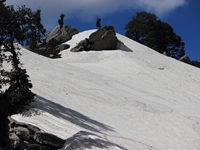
column 132, row 96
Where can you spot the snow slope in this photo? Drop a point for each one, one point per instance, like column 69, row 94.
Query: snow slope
column 133, row 97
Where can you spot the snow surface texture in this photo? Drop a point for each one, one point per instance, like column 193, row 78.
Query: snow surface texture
column 133, row 97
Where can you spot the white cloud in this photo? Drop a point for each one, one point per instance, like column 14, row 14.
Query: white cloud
column 88, row 9
column 161, row 7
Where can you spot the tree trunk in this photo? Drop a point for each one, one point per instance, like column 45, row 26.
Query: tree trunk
column 4, row 133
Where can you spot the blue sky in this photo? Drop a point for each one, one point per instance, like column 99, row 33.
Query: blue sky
column 182, row 15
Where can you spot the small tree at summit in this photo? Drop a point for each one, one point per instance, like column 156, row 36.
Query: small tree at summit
column 98, row 23
column 147, row 29
column 60, row 21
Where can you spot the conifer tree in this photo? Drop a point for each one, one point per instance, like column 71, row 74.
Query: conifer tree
column 60, row 21
column 98, row 23
column 147, row 29
column 28, row 27
column 15, row 93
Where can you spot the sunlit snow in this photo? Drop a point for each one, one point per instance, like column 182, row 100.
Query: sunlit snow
column 134, row 98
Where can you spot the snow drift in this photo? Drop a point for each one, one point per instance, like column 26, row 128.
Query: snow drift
column 133, row 97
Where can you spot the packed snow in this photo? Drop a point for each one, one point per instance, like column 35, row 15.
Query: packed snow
column 132, row 98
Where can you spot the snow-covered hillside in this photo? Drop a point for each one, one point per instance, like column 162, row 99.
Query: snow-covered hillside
column 131, row 98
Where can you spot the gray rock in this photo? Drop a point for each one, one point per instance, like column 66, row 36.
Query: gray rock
column 59, row 35
column 48, row 139
column 104, row 39
column 63, row 47
column 53, row 42
column 185, row 59
column 22, row 132
column 83, row 45
column 13, row 137
column 20, row 145
column 32, row 128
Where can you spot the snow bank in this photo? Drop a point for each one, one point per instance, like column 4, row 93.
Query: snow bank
column 133, row 97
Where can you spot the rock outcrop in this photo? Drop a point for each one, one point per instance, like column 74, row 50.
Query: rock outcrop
column 102, row 39
column 28, row 137
column 60, row 35
column 51, row 44
column 185, row 59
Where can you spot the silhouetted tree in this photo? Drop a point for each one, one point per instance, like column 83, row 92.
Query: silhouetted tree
column 15, row 93
column 98, row 23
column 60, row 21
column 31, row 29
column 147, row 29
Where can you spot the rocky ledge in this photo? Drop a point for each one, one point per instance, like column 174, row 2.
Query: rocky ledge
column 29, row 137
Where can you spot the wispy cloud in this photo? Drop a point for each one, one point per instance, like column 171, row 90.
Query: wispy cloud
column 88, row 9
column 160, row 7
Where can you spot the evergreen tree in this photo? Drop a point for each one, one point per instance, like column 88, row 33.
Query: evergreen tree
column 147, row 29
column 98, row 23
column 60, row 21
column 29, row 27
column 17, row 97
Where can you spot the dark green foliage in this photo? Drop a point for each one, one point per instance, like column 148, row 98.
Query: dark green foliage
column 60, row 21
column 26, row 25
column 98, row 23
column 147, row 29
column 17, row 97
column 30, row 27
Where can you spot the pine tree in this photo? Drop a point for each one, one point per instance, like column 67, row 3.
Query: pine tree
column 60, row 21
column 147, row 29
column 30, row 30
column 17, row 97
column 98, row 23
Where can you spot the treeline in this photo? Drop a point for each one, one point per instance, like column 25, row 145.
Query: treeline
column 148, row 30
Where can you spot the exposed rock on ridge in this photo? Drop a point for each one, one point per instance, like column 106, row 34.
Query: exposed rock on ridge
column 60, row 35
column 103, row 39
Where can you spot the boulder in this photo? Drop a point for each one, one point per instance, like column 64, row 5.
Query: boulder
column 48, row 139
column 104, row 39
column 63, row 47
column 16, row 142
column 185, row 59
column 14, row 139
column 84, row 45
column 32, row 129
column 60, row 35
column 22, row 132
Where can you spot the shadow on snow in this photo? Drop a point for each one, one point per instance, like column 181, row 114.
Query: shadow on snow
column 68, row 114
